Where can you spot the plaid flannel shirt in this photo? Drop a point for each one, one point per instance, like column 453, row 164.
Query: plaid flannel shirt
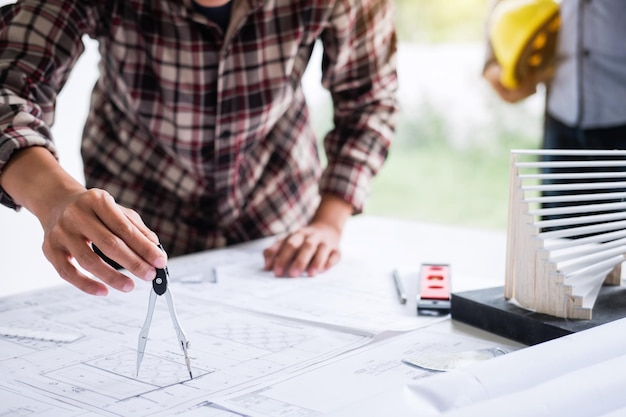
column 207, row 134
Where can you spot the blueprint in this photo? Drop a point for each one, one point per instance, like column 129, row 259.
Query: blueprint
column 260, row 346
column 65, row 353
column 357, row 376
column 353, row 294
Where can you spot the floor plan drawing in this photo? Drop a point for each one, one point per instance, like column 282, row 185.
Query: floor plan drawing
column 79, row 354
column 256, row 343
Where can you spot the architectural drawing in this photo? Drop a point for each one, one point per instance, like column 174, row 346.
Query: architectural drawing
column 567, row 228
column 93, row 371
column 257, row 343
column 352, row 378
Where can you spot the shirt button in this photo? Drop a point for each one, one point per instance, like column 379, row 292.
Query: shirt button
column 586, row 52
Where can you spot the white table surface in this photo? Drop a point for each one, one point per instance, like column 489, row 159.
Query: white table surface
column 476, row 257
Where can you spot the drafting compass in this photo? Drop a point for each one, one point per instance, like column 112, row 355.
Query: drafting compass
column 159, row 287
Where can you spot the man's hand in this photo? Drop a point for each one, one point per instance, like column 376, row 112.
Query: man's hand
column 73, row 217
column 314, row 248
column 526, row 88
column 93, row 216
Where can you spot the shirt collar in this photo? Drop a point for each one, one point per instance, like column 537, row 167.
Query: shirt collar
column 241, row 6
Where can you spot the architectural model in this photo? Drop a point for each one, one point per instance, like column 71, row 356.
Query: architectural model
column 566, row 230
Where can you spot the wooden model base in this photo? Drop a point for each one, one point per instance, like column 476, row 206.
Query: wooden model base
column 488, row 310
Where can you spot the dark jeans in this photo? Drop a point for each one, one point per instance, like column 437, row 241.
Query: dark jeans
column 560, row 136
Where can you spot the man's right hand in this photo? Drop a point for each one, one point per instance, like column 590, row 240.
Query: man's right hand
column 73, row 217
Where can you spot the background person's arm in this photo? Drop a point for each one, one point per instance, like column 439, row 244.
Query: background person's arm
column 526, row 88
column 492, row 71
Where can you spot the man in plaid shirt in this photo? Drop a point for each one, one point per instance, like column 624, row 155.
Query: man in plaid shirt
column 198, row 127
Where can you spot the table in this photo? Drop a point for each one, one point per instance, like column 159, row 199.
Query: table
column 262, row 346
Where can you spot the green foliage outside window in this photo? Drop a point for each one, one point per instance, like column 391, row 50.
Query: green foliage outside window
column 440, row 20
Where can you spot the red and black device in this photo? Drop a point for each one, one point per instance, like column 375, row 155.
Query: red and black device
column 434, row 295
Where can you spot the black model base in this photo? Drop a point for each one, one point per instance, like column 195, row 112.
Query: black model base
column 488, row 310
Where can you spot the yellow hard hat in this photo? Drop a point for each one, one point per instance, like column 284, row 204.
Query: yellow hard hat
column 523, row 37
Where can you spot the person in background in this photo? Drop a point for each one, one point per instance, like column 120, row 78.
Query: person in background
column 586, row 86
column 198, row 130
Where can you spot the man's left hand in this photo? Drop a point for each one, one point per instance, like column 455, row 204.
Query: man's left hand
column 314, row 248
